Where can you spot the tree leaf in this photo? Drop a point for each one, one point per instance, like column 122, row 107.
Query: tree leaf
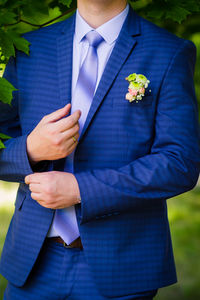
column 2, row 2
column 6, row 90
column 168, row 9
column 10, row 5
column 34, row 7
column 192, row 5
column 7, row 17
column 155, row 12
column 20, row 43
column 177, row 13
column 2, row 146
column 66, row 2
column 6, row 44
column 4, row 136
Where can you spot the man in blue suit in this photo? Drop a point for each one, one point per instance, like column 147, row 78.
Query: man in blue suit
column 90, row 217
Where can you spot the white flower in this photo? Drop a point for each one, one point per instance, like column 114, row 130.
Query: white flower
column 139, row 97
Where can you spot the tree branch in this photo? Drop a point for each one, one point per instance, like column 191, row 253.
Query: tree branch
column 44, row 24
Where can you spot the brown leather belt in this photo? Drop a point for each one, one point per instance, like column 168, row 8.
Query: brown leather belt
column 75, row 244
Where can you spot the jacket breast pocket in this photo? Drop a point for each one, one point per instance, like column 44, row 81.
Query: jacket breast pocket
column 21, row 195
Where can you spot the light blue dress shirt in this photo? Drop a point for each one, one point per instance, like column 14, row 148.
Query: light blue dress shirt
column 110, row 32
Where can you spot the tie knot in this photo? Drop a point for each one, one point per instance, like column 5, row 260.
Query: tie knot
column 94, row 38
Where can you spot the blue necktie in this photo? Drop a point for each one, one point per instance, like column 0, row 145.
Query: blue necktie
column 65, row 222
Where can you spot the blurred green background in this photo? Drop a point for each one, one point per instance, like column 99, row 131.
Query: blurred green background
column 184, row 210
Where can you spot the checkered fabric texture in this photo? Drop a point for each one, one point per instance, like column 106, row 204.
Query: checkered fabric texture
column 77, row 281
column 130, row 159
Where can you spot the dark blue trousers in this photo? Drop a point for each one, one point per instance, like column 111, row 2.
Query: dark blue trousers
column 59, row 274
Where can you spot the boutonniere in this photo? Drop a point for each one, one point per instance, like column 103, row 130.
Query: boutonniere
column 138, row 84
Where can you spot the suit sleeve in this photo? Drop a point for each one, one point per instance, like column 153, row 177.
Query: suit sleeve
column 14, row 162
column 173, row 165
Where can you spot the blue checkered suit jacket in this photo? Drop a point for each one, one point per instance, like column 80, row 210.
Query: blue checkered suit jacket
column 130, row 159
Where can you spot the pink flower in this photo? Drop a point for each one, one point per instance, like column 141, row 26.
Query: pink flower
column 142, row 91
column 133, row 92
column 129, row 97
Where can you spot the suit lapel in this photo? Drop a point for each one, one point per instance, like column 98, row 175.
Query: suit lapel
column 123, row 47
column 64, row 60
column 64, row 71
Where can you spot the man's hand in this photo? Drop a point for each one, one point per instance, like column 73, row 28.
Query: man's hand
column 55, row 136
column 54, row 189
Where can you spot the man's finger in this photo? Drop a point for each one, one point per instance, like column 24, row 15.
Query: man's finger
column 36, row 196
column 60, row 113
column 33, row 178
column 35, row 187
column 73, row 141
column 68, row 122
column 27, row 179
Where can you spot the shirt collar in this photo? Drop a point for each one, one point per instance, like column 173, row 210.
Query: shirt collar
column 109, row 30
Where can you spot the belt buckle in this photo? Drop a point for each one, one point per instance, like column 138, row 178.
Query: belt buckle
column 66, row 246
